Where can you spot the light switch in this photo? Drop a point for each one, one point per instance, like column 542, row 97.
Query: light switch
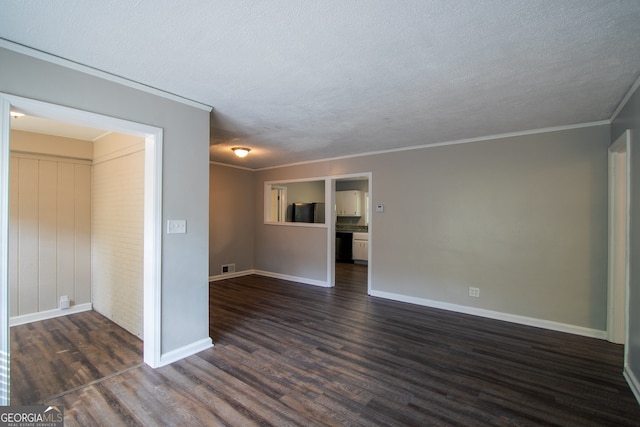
column 379, row 208
column 176, row 226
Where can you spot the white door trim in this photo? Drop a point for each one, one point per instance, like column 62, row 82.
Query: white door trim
column 5, row 357
column 152, row 217
column 619, row 157
column 330, row 196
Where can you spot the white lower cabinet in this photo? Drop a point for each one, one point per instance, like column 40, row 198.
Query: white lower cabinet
column 360, row 246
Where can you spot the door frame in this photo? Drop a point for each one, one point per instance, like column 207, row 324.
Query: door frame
column 152, row 218
column 619, row 160
column 281, row 203
column 330, row 196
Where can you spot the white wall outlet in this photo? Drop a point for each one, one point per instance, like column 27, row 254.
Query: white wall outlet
column 228, row 268
column 64, row 302
column 176, row 226
column 474, row 292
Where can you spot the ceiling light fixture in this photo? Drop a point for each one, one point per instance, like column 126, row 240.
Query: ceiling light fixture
column 15, row 114
column 241, row 151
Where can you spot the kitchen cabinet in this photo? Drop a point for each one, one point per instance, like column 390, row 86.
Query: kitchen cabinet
column 360, row 247
column 349, row 203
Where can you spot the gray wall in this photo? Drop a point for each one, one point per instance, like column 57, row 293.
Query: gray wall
column 185, row 184
column 522, row 218
column 305, row 192
column 361, row 185
column 232, row 210
column 298, row 251
column 629, row 118
column 291, row 250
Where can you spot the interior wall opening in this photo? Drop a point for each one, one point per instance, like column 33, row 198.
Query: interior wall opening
column 76, row 228
column 152, row 226
column 352, row 209
column 618, row 268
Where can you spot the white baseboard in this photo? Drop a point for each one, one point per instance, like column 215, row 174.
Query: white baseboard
column 186, row 351
column 231, row 275
column 49, row 314
column 314, row 282
column 633, row 382
column 304, row 280
column 523, row 320
column 513, row 318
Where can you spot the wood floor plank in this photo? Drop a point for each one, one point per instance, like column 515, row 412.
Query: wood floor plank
column 52, row 356
column 288, row 354
column 237, row 391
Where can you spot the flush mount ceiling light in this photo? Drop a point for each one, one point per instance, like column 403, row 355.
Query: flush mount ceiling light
column 15, row 114
column 241, row 151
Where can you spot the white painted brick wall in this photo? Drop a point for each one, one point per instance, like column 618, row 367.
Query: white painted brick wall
column 117, row 240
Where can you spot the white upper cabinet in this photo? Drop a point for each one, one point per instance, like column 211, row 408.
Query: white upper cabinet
column 349, row 203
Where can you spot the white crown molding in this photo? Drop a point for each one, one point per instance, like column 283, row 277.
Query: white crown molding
column 232, row 166
column 102, row 135
column 131, row 149
column 45, row 156
column 44, row 56
column 454, row 142
column 626, row 98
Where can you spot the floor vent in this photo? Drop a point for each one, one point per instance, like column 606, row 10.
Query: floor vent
column 228, row 268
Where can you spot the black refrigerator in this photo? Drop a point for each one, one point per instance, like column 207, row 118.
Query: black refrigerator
column 308, row 212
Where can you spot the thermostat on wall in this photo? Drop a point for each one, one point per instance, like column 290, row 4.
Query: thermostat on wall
column 379, row 208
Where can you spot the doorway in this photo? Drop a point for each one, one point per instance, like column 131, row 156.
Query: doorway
column 351, row 232
column 152, row 216
column 278, row 203
column 618, row 265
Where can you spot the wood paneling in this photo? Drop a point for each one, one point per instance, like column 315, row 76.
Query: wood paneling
column 82, row 233
column 48, row 220
column 28, row 236
column 13, row 236
column 50, row 233
column 66, row 229
column 292, row 354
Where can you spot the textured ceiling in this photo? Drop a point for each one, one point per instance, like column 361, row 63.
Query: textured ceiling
column 303, row 80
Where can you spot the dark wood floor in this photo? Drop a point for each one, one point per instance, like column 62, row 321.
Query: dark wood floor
column 292, row 354
column 54, row 356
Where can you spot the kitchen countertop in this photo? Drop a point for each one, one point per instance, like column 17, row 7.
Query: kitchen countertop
column 352, row 228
